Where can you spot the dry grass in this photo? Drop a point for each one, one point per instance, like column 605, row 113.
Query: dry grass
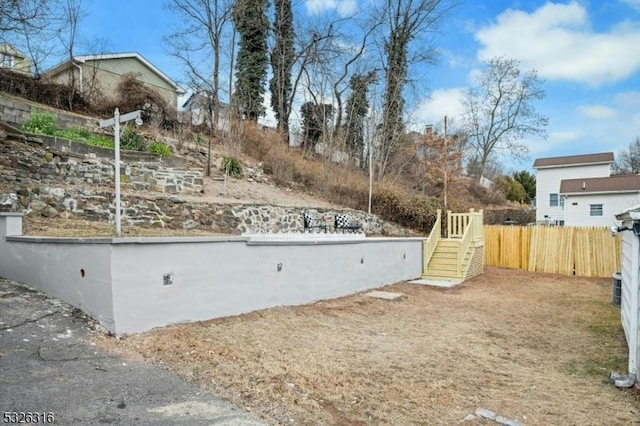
column 533, row 347
column 344, row 185
column 36, row 225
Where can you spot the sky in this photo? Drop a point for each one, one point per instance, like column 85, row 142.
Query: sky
column 586, row 52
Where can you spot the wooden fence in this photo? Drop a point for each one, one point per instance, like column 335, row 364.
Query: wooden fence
column 581, row 251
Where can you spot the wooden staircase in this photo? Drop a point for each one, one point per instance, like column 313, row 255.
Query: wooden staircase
column 443, row 265
column 448, row 259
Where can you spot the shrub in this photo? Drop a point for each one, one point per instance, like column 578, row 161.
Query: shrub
column 41, row 123
column 75, row 134
column 232, row 166
column 160, row 149
column 132, row 140
column 101, row 141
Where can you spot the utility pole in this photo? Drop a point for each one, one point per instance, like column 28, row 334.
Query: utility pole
column 446, row 163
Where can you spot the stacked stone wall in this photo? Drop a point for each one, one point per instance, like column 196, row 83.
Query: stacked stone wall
column 175, row 213
column 27, row 166
column 16, row 111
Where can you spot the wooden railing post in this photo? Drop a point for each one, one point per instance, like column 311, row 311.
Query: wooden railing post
column 429, row 245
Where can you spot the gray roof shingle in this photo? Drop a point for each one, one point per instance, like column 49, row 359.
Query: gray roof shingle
column 615, row 183
column 599, row 158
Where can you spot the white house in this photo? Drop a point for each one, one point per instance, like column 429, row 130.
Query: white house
column 595, row 201
column 550, row 204
column 197, row 110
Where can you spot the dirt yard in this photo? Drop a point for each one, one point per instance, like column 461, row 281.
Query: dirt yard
column 532, row 347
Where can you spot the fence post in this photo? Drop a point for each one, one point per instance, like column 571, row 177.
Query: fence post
column 449, row 223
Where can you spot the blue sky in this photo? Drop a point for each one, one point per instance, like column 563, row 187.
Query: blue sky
column 587, row 52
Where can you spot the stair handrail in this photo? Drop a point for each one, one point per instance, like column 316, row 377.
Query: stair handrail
column 472, row 232
column 429, row 245
column 463, row 247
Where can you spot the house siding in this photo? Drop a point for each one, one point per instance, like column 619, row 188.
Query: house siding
column 548, row 182
column 612, row 204
column 630, row 295
column 21, row 64
column 103, row 76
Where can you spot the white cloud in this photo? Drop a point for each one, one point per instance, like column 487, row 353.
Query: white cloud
column 597, row 111
column 433, row 110
column 342, row 7
column 557, row 40
column 347, row 7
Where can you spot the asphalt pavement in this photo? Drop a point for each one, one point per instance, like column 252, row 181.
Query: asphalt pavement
column 49, row 368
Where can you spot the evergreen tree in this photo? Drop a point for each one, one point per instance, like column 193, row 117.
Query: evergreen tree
column 282, row 59
column 250, row 19
column 356, row 112
column 528, row 182
column 315, row 123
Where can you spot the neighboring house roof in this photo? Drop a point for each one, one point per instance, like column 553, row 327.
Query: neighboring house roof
column 611, row 184
column 196, row 97
column 574, row 160
column 104, row 57
column 9, row 49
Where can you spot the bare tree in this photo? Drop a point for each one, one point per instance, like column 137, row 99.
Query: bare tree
column 30, row 26
column 407, row 25
column 198, row 46
column 353, row 54
column 442, row 156
column 282, row 61
column 16, row 15
column 499, row 112
column 629, row 159
column 72, row 15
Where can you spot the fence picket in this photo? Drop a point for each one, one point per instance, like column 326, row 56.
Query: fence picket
column 582, row 251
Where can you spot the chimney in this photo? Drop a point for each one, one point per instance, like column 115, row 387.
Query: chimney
column 428, row 129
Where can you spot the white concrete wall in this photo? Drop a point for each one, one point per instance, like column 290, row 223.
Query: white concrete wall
column 55, row 265
column 223, row 278
column 123, row 285
column 548, row 182
column 612, row 204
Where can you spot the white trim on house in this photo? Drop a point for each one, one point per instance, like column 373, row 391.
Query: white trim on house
column 102, row 57
column 548, row 181
column 84, row 58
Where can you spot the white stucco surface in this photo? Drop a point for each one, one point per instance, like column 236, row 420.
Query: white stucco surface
column 124, row 284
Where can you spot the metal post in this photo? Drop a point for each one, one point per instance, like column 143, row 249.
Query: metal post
column 370, row 174
column 115, row 122
column 116, row 130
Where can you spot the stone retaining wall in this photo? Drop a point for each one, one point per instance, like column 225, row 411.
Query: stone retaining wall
column 174, row 213
column 16, row 111
column 23, row 165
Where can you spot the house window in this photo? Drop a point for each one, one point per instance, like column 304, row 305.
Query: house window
column 6, row 60
column 595, row 209
column 554, row 200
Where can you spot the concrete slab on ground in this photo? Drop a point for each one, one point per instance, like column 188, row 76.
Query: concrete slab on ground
column 48, row 365
column 436, row 283
column 386, row 295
